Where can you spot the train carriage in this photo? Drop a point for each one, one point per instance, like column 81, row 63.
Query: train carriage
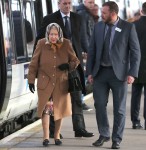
column 19, row 22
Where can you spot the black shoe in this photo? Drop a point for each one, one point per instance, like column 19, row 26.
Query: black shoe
column 115, row 145
column 52, row 135
column 85, row 107
column 58, row 142
column 46, row 142
column 101, row 140
column 61, row 137
column 83, row 133
column 137, row 126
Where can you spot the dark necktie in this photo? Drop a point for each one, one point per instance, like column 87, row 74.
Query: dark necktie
column 106, row 47
column 67, row 28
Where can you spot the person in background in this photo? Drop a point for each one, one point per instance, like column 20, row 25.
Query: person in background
column 89, row 86
column 94, row 12
column 84, row 10
column 140, row 82
column 52, row 59
column 113, row 61
column 72, row 31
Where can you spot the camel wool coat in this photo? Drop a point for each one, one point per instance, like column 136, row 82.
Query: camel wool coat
column 51, row 81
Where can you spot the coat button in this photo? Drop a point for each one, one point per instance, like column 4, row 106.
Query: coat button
column 53, row 75
column 53, row 84
column 54, row 56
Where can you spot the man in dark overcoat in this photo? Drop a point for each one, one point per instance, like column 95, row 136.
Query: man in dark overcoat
column 75, row 26
column 140, row 82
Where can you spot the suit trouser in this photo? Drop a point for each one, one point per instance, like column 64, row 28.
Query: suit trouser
column 135, row 101
column 103, row 83
column 77, row 113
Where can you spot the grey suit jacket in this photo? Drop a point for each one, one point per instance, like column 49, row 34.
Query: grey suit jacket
column 124, row 54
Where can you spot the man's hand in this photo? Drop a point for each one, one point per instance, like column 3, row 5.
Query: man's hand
column 130, row 79
column 90, row 79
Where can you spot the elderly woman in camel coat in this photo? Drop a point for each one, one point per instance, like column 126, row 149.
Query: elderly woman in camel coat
column 52, row 59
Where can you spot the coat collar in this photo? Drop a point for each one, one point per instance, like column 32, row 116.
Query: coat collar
column 60, row 20
column 61, row 23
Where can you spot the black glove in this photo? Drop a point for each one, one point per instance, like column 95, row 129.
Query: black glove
column 64, row 66
column 31, row 87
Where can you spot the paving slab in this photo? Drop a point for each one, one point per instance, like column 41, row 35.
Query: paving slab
column 31, row 139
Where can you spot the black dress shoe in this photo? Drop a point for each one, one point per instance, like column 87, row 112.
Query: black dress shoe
column 58, row 142
column 83, row 133
column 115, row 145
column 137, row 126
column 46, row 142
column 101, row 140
column 52, row 135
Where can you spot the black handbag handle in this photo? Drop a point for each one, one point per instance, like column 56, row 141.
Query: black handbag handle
column 73, row 74
column 74, row 82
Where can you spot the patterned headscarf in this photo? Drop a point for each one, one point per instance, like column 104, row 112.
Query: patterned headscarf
column 60, row 33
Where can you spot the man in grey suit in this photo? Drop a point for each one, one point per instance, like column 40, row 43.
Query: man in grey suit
column 113, row 61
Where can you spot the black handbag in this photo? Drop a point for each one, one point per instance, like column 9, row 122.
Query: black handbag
column 74, row 82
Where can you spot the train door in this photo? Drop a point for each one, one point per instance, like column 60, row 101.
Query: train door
column 6, row 56
column 17, row 32
column 2, row 67
column 18, row 27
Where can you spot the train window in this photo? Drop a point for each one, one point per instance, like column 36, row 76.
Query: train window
column 44, row 6
column 29, row 26
column 7, row 28
column 18, row 31
column 55, row 5
column 7, row 54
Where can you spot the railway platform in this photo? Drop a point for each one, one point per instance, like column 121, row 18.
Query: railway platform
column 30, row 137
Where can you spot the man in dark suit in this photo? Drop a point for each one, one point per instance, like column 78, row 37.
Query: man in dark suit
column 140, row 82
column 74, row 24
column 113, row 61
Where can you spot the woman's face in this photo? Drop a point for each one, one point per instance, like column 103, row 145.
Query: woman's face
column 53, row 35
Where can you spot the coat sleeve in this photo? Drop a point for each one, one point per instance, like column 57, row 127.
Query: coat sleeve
column 83, row 33
column 135, row 54
column 73, row 60
column 34, row 64
column 91, row 54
